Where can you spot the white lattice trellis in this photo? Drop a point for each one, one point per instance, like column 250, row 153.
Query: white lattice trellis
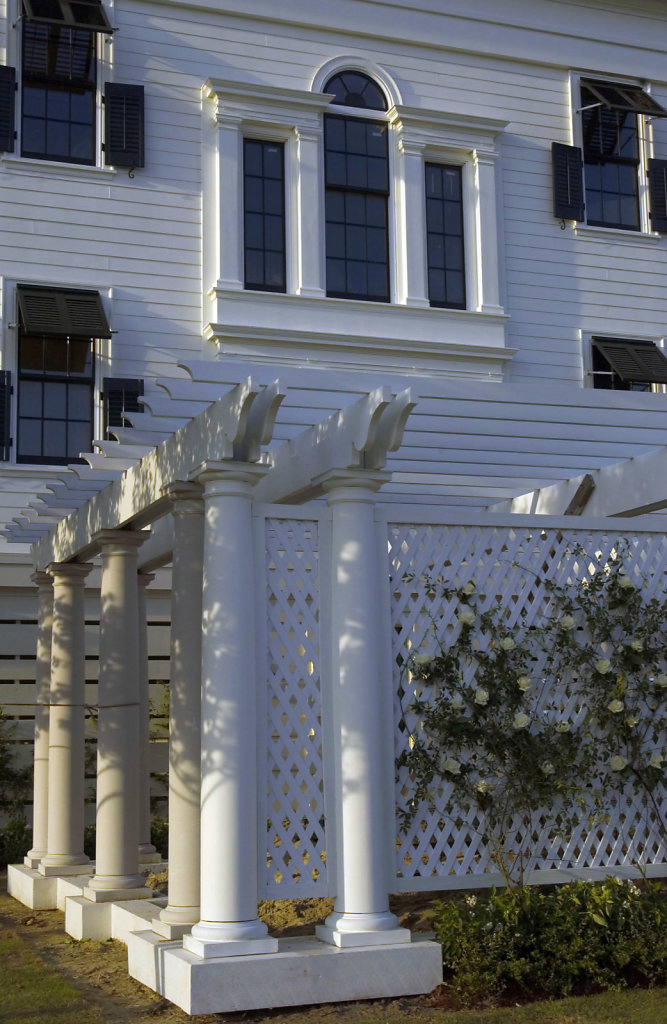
column 296, row 845
column 509, row 565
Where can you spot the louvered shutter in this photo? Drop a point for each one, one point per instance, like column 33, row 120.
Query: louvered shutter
column 657, row 183
column 568, row 178
column 62, row 312
column 120, row 395
column 124, row 125
column 7, row 106
column 5, row 414
column 633, row 360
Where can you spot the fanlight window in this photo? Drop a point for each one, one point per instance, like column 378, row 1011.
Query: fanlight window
column 354, row 89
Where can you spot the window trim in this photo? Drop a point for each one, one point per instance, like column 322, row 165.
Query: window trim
column 644, row 145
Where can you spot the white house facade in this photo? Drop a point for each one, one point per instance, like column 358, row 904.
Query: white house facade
column 369, row 263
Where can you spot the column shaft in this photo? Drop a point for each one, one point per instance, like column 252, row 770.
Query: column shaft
column 182, row 910
column 229, row 924
column 67, row 723
column 363, row 769
column 40, row 802
column 117, row 869
column 147, row 852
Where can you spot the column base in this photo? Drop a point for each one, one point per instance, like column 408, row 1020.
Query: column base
column 33, row 858
column 116, row 895
column 302, row 972
column 175, row 922
column 347, row 930
column 150, row 858
column 213, row 939
column 49, row 866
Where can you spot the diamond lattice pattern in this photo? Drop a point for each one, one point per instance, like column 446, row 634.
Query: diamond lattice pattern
column 509, row 566
column 295, row 836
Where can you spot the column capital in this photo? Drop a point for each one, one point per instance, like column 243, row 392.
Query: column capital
column 71, row 570
column 186, row 497
column 350, row 484
column 42, row 579
column 144, row 578
column 122, row 540
column 228, row 477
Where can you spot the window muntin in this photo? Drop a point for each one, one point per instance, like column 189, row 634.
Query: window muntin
column 444, row 236
column 264, row 215
column 55, row 398
column 611, row 163
column 356, row 214
column 59, row 82
column 355, row 89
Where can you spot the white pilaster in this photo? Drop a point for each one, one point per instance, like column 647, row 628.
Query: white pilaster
column 147, row 852
column 229, row 925
column 410, row 231
column 230, row 209
column 488, row 254
column 182, row 910
column 117, row 869
column 361, row 914
column 310, row 215
column 40, row 804
column 66, row 723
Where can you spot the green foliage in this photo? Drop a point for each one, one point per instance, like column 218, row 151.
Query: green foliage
column 160, row 836
column 579, row 936
column 15, row 841
column 14, row 782
column 529, row 728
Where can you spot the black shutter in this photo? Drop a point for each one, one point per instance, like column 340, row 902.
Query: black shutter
column 5, row 410
column 120, row 395
column 124, row 125
column 568, row 182
column 657, row 185
column 7, row 106
column 633, row 360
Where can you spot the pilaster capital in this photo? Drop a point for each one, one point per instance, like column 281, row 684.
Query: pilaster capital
column 186, row 498
column 42, row 580
column 308, row 133
column 69, row 570
column 484, row 158
column 410, row 146
column 119, row 541
column 356, row 485
column 230, row 121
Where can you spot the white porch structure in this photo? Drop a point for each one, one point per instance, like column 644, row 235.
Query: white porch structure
column 289, row 510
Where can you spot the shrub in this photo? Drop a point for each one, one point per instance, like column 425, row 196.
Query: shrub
column 527, row 941
column 15, row 841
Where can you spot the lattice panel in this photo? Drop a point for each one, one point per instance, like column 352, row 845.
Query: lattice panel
column 296, row 831
column 509, row 566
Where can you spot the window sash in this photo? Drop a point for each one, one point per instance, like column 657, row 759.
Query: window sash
column 445, row 243
column 264, row 247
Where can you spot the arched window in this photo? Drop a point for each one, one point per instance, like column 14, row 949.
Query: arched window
column 357, row 191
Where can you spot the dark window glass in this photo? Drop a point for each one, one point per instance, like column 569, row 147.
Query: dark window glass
column 58, row 90
column 264, row 215
column 444, row 236
column 55, row 398
column 354, row 89
column 611, row 163
column 357, row 189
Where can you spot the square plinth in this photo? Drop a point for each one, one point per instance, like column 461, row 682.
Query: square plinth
column 302, row 972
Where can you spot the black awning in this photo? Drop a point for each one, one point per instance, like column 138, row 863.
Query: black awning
column 633, row 360
column 619, row 96
column 81, row 14
column 62, row 312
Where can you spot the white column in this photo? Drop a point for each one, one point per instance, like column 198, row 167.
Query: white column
column 182, row 910
column 229, row 925
column 411, row 227
column 363, row 763
column 147, row 852
column 66, row 785
column 310, row 204
column 41, row 744
column 116, row 863
column 488, row 270
column 230, row 207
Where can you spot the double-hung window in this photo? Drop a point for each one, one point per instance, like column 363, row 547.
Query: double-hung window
column 444, row 236
column 357, row 192
column 264, row 215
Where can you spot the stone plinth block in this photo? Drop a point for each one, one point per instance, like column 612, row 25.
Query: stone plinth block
column 145, row 958
column 302, row 972
column 30, row 888
column 86, row 920
column 117, row 895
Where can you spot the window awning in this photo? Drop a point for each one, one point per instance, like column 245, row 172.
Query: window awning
column 633, row 360
column 620, row 96
column 62, row 312
column 81, row 14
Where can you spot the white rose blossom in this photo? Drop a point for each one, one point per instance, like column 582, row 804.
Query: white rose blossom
column 625, row 582
column 422, row 659
column 452, row 766
column 632, row 721
column 466, row 617
column 484, row 787
column 481, row 696
column 637, row 645
column 521, row 720
column 567, row 622
column 547, row 768
column 656, row 761
column 615, row 706
column 457, row 702
column 563, row 727
column 468, row 588
column 603, row 665
column 618, row 763
column 507, row 643
column 524, row 683
column 662, row 681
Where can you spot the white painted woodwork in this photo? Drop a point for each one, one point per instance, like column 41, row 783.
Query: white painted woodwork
column 40, row 803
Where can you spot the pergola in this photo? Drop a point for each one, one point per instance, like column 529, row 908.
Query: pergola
column 180, row 487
